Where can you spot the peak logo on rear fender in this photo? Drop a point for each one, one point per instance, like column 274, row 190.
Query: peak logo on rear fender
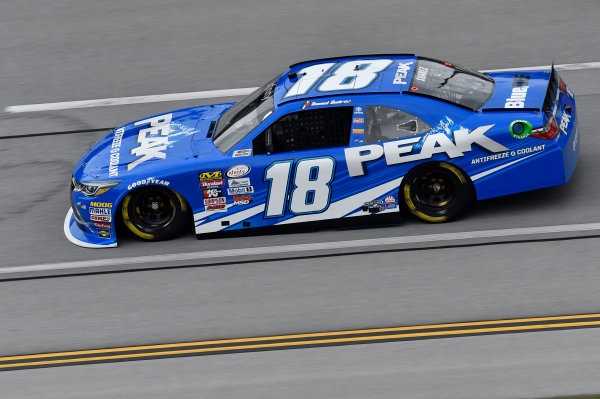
column 400, row 151
column 153, row 140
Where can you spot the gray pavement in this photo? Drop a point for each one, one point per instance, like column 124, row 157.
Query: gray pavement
column 81, row 49
column 532, row 365
column 300, row 296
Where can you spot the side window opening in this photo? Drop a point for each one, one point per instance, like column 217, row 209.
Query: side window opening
column 387, row 123
column 305, row 130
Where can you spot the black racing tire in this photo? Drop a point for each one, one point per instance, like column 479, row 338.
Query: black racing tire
column 155, row 213
column 436, row 192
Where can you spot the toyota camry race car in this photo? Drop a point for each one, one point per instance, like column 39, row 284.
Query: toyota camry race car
column 329, row 139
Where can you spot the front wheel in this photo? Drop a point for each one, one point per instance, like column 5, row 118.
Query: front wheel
column 155, row 213
column 436, row 192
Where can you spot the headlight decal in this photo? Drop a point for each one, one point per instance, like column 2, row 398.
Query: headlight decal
column 93, row 189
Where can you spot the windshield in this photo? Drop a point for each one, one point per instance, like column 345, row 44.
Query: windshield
column 452, row 83
column 243, row 117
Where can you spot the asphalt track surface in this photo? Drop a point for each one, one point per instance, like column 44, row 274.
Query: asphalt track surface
column 77, row 50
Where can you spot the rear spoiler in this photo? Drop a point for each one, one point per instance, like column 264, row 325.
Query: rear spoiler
column 549, row 99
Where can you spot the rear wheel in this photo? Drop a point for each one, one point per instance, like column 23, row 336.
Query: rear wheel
column 436, row 192
column 155, row 213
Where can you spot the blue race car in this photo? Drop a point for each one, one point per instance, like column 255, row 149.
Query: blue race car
column 329, row 139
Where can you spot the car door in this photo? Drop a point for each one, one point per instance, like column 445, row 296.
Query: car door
column 301, row 158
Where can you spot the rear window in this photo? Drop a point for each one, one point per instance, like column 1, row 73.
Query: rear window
column 451, row 83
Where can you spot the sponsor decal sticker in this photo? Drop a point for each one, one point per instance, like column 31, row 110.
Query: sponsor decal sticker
column 401, row 151
column 520, row 129
column 507, row 154
column 332, row 102
column 421, row 74
column 390, row 202
column 358, row 120
column 101, row 204
column 215, row 175
column 99, row 211
column 518, row 94
column 305, row 104
column 102, row 225
column 564, row 122
column 104, row 233
column 115, row 148
column 213, row 192
column 238, row 171
column 241, row 182
column 212, row 183
column 216, row 208
column 373, row 206
column 358, row 111
column 148, row 181
column 240, row 190
column 212, row 201
column 81, row 205
column 576, row 138
column 358, row 131
column 153, row 140
column 401, row 73
column 242, row 199
column 242, row 153
column 100, row 218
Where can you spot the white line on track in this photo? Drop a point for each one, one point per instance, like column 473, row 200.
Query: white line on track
column 279, row 252
column 196, row 95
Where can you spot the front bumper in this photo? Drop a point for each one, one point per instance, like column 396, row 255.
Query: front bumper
column 78, row 236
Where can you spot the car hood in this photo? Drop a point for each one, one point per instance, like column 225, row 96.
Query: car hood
column 132, row 149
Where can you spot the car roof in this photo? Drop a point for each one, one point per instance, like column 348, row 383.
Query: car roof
column 393, row 78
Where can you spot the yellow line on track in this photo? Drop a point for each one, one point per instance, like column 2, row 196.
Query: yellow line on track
column 294, row 343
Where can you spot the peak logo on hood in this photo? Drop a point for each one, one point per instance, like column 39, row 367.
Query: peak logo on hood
column 153, row 140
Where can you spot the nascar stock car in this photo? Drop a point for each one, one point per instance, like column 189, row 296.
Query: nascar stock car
column 329, row 139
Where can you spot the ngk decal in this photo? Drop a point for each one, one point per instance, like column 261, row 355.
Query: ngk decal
column 401, row 151
column 153, row 140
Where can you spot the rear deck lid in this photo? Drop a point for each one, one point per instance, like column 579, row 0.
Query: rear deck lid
column 518, row 90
